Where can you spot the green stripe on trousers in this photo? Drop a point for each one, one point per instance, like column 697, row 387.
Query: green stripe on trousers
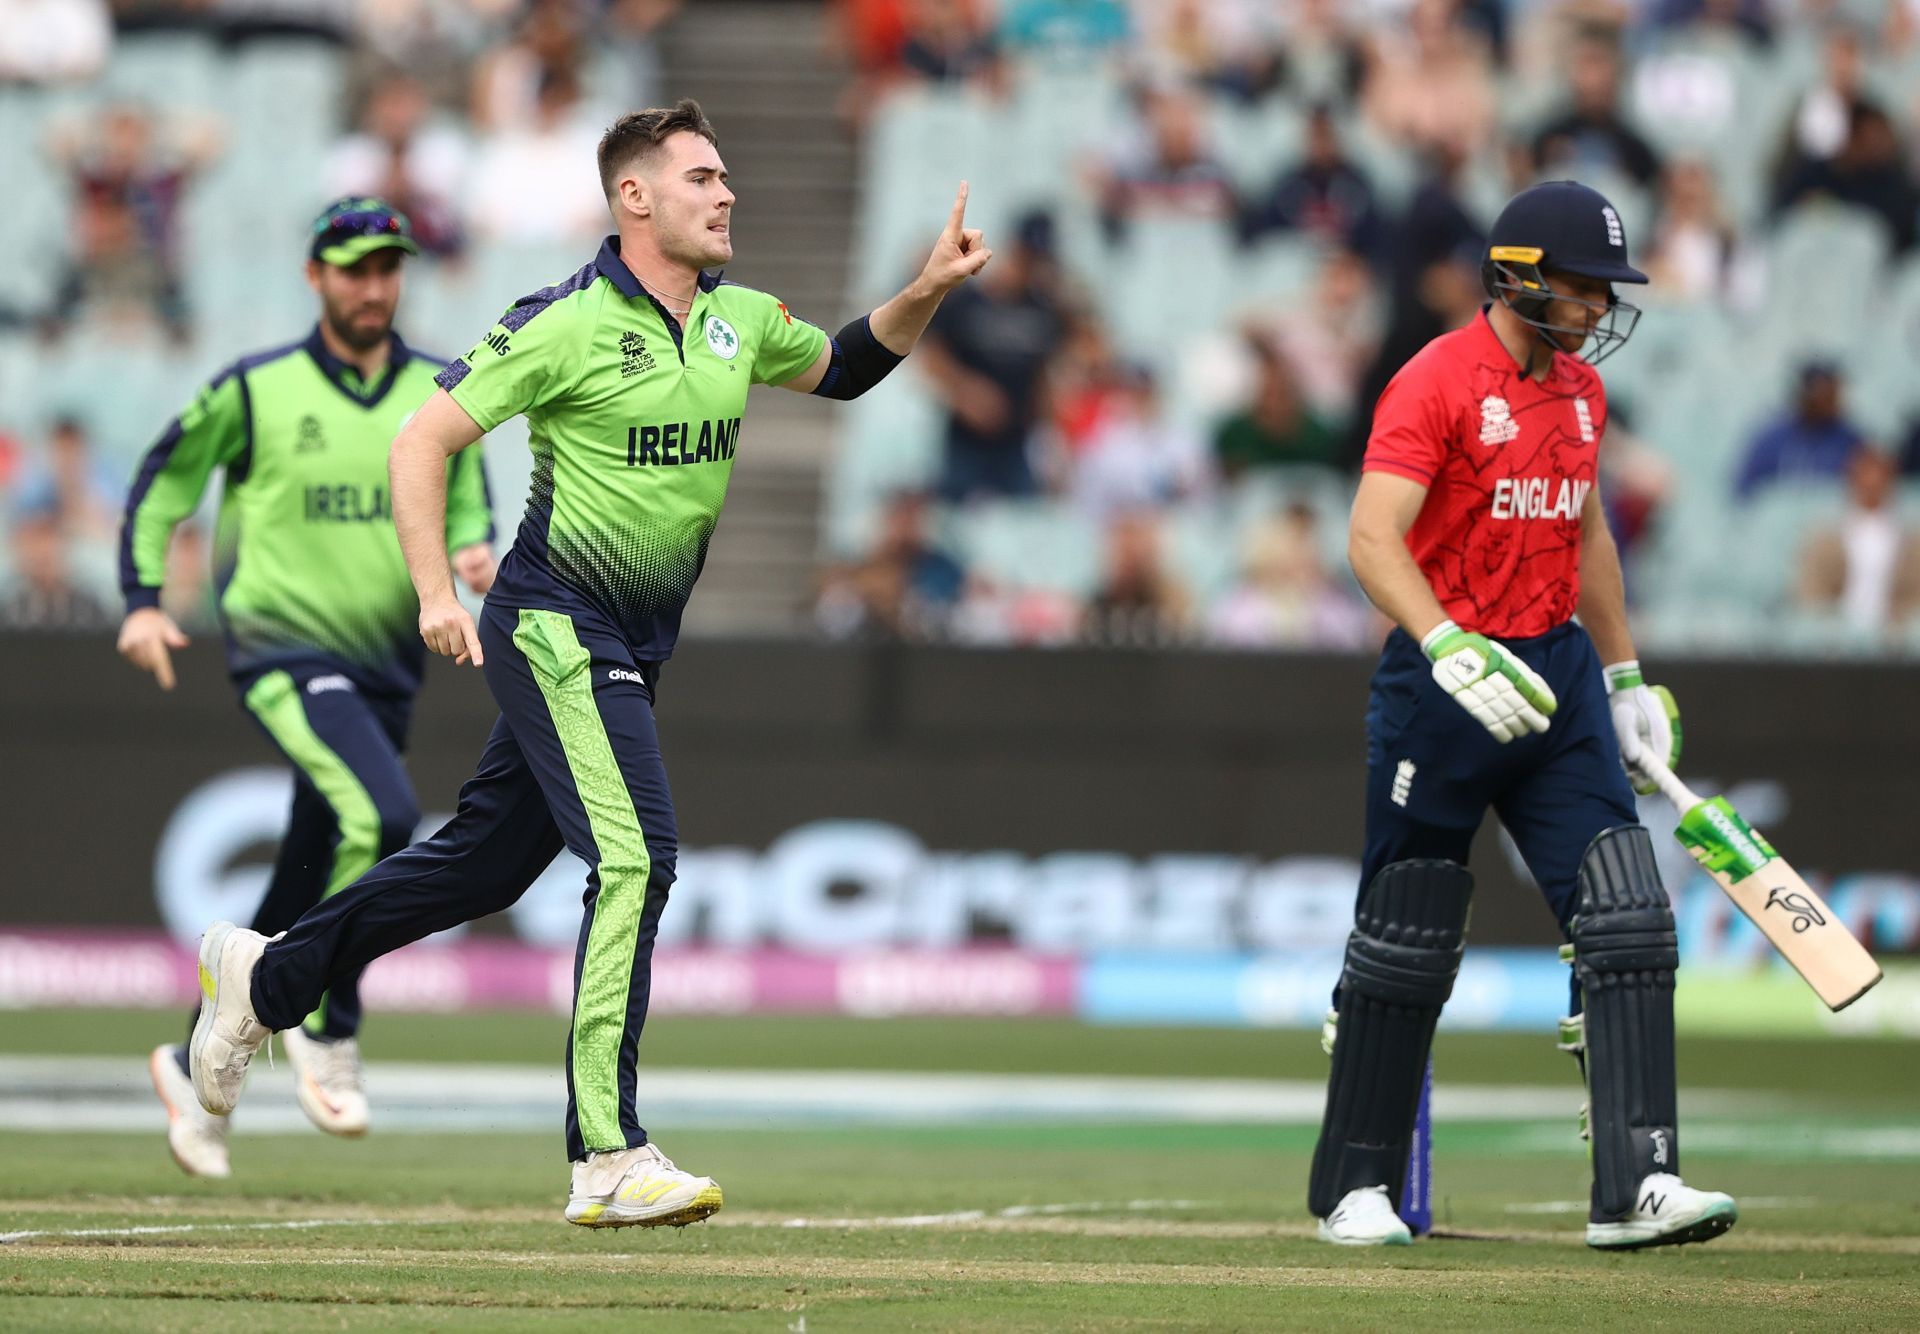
column 560, row 667
column 275, row 700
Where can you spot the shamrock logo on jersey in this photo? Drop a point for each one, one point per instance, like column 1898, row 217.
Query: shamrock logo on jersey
column 722, row 339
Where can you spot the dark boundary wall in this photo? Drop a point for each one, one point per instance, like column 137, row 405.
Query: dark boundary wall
column 1125, row 751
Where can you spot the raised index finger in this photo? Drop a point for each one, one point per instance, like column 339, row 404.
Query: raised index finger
column 957, row 220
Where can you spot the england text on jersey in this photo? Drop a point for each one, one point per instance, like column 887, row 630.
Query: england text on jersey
column 1509, row 464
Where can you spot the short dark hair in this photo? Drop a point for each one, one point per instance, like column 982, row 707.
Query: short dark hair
column 639, row 134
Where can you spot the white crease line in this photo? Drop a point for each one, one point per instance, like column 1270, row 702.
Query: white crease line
column 981, row 1215
column 154, row 1230
column 1744, row 1201
column 907, row 1220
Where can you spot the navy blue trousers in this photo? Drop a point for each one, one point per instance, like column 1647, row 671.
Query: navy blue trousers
column 352, row 801
column 574, row 760
column 1433, row 772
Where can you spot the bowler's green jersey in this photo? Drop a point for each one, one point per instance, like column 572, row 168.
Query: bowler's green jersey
column 633, row 423
column 306, row 559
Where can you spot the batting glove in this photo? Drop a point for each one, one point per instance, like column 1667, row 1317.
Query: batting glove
column 1646, row 720
column 1508, row 697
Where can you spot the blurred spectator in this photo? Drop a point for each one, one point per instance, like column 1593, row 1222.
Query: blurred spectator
column 43, row 593
column 904, row 587
column 1820, row 121
column 1437, row 225
column 1065, row 34
column 420, row 169
column 1332, row 336
column 529, row 187
column 947, row 43
column 73, row 490
column 1324, row 196
column 1590, row 136
column 1813, row 438
column 1870, row 172
column 1635, row 481
column 1137, row 458
column 1866, row 566
column 1276, row 428
column 53, row 41
column 1084, row 386
column 1444, row 296
column 13, row 460
column 1285, row 597
column 129, row 174
column 434, row 41
column 1323, row 59
column 1229, row 46
column 630, row 37
column 1168, row 170
column 1431, row 85
column 511, row 82
column 1745, row 19
column 870, row 33
column 1691, row 253
column 898, row 41
column 986, row 355
column 1139, row 601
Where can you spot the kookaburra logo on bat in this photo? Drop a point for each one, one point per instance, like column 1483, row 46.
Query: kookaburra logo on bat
column 1803, row 911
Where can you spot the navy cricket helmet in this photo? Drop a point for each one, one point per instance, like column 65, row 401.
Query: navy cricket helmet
column 1561, row 227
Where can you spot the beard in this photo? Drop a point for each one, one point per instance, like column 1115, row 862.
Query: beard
column 358, row 335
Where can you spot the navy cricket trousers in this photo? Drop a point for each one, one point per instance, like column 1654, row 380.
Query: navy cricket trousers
column 574, row 760
column 1433, row 771
column 352, row 801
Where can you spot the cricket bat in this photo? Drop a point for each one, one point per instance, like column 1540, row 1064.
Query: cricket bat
column 1770, row 892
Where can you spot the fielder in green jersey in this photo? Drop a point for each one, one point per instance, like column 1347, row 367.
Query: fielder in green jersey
column 633, row 376
column 316, row 602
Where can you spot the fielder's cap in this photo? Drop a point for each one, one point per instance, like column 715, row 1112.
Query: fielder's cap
column 352, row 228
column 1563, row 227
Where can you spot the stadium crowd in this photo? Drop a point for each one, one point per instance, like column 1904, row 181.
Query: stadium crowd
column 1338, row 164
column 1240, row 218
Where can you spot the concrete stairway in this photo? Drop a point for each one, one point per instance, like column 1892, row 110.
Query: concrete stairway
column 761, row 71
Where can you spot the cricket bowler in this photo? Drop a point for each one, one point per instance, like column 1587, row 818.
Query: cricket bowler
column 1477, row 528
column 317, row 609
column 633, row 376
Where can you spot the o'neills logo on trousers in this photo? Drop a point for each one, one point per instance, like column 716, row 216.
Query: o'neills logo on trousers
column 674, row 443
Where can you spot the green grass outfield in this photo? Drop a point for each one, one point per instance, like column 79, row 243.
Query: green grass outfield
column 1003, row 1226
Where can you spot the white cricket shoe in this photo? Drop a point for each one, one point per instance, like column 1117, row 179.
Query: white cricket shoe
column 327, row 1081
column 1669, row 1213
column 1365, row 1217
column 638, row 1188
column 226, row 1034
column 196, row 1136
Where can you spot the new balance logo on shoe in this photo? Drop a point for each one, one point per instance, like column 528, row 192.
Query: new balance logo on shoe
column 1651, row 1203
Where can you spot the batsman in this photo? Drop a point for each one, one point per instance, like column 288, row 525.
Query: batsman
column 1478, row 529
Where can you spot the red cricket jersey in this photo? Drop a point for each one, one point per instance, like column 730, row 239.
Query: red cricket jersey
column 1508, row 462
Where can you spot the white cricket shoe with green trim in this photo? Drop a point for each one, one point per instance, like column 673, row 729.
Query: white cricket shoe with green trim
column 1365, row 1217
column 638, row 1188
column 327, row 1080
column 1668, row 1212
column 196, row 1137
column 226, row 1034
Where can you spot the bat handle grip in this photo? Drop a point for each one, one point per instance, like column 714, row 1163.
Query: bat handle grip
column 1683, row 797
